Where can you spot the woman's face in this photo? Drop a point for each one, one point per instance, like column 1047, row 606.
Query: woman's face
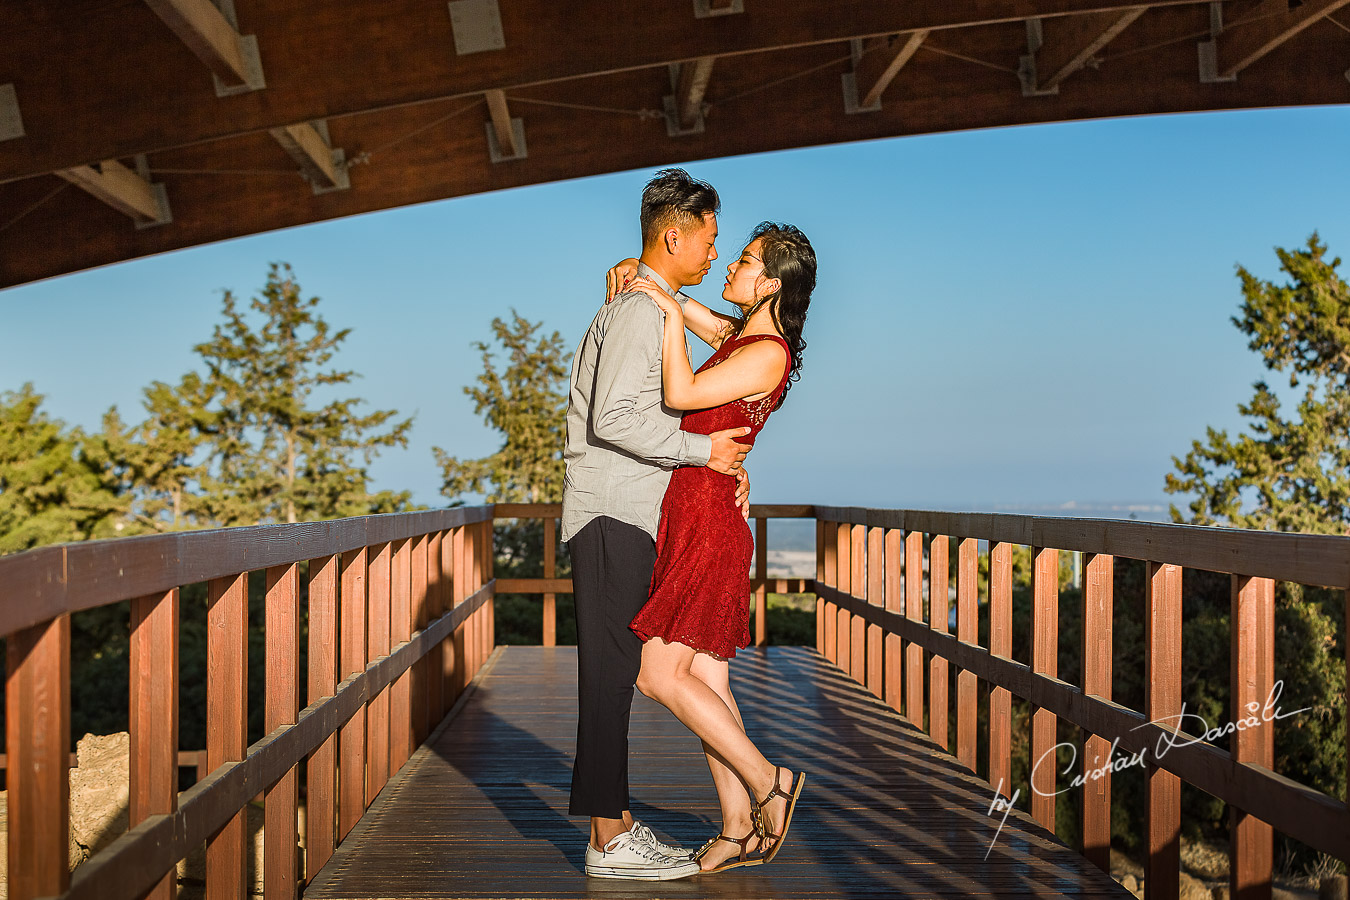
column 745, row 282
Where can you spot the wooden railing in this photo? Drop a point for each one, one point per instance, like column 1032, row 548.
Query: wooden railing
column 870, row 621
column 550, row 585
column 399, row 619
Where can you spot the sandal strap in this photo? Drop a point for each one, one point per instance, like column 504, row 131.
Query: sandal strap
column 743, row 843
column 774, row 791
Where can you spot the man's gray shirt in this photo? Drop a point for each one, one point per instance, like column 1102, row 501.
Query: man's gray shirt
column 622, row 441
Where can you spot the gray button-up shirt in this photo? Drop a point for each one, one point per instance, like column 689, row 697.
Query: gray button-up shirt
column 622, row 441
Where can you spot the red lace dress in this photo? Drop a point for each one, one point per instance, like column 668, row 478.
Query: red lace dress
column 700, row 594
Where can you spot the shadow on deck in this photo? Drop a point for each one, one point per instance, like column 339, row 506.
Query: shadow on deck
column 480, row 809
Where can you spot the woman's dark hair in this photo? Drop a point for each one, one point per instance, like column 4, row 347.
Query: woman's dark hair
column 789, row 257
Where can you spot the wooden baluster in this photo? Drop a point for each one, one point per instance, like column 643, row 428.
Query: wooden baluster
column 1098, row 593
column 418, row 691
column 550, row 571
column 321, row 772
column 37, row 735
column 461, row 644
column 435, row 608
column 762, row 573
column 829, row 556
column 281, row 705
column 490, row 614
column 876, row 596
column 939, row 605
column 1044, row 660
column 481, row 561
column 1000, row 644
column 914, row 612
column 895, row 602
column 1162, row 699
column 967, row 631
column 226, row 721
column 1253, row 678
column 154, row 715
column 353, row 658
column 843, row 631
column 448, row 659
column 820, row 579
column 858, row 580
column 400, row 629
column 380, row 562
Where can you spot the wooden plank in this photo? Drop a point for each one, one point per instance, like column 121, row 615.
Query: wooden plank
column 500, row 116
column 1045, row 661
column 550, row 570
column 321, row 769
column 461, row 646
column 885, row 58
column 690, row 88
column 380, row 559
column 448, row 599
column 420, row 727
column 1271, row 24
column 843, row 631
column 895, row 603
column 1252, row 662
column 435, row 664
column 117, row 186
column 1000, row 645
column 939, row 606
column 281, row 862
column 37, row 738
column 207, row 33
column 311, row 152
column 821, row 607
column 967, row 630
column 1097, row 650
column 759, row 586
column 914, row 612
column 858, row 579
column 875, row 595
column 153, row 755
column 352, row 660
column 1162, row 698
column 226, row 721
column 1072, row 42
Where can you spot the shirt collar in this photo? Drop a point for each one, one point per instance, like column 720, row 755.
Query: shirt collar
column 647, row 271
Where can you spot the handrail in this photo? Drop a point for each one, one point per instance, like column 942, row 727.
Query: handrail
column 400, row 618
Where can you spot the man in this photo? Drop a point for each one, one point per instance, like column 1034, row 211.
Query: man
column 621, row 444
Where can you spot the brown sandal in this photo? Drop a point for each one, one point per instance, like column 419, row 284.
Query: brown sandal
column 797, row 783
column 746, row 858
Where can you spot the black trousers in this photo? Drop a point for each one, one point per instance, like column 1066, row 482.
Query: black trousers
column 612, row 565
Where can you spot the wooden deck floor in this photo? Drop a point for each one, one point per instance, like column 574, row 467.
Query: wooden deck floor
column 481, row 809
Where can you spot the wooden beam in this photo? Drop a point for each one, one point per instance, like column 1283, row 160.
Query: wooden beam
column 117, row 186
column 1270, row 25
column 208, row 34
column 878, row 68
column 1072, row 42
column 310, row 151
column 501, row 123
column 691, row 87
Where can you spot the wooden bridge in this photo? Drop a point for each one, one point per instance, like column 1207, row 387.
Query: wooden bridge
column 436, row 764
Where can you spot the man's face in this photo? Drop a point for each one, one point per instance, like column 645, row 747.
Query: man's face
column 695, row 250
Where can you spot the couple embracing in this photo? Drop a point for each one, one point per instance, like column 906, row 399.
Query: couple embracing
column 661, row 560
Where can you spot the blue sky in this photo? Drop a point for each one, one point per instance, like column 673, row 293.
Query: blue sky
column 1015, row 317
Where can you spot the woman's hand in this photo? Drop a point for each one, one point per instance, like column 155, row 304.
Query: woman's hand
column 669, row 305
column 619, row 277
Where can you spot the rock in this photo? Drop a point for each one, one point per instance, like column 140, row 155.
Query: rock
column 99, row 794
column 1193, row 888
column 1280, row 894
column 1333, row 887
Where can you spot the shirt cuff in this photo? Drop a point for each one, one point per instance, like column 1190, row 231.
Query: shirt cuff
column 698, row 448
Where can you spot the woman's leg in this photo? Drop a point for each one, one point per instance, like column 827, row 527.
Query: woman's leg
column 732, row 794
column 665, row 676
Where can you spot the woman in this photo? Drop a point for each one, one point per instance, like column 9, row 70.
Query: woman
column 698, row 613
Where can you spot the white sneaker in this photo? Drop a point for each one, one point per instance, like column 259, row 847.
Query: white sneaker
column 628, row 857
column 648, row 837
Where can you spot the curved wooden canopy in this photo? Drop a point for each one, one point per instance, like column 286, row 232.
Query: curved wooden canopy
column 131, row 127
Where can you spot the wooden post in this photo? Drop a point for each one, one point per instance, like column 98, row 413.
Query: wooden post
column 154, row 716
column 400, row 629
column 281, row 705
column 461, row 645
column 895, row 602
column 490, row 619
column 1252, row 661
column 380, row 561
column 914, row 612
column 843, row 631
column 449, row 582
column 876, row 596
column 830, row 576
column 352, row 738
column 1098, row 593
column 820, row 579
column 1000, row 644
column 435, row 608
column 226, row 721
column 321, row 773
column 967, row 631
column 939, row 605
column 1044, row 661
column 1162, row 699
column 550, row 571
column 858, row 579
column 37, row 735
column 762, row 573
column 420, row 726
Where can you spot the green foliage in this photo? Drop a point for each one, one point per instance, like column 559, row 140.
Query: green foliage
column 1288, row 473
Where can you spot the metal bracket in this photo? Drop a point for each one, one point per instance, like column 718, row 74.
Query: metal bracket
column 495, row 149
column 1208, row 51
column 851, row 106
column 342, row 181
column 161, row 196
column 248, row 48
column 703, row 9
column 477, row 26
column 1026, row 65
column 11, row 123
column 668, row 105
